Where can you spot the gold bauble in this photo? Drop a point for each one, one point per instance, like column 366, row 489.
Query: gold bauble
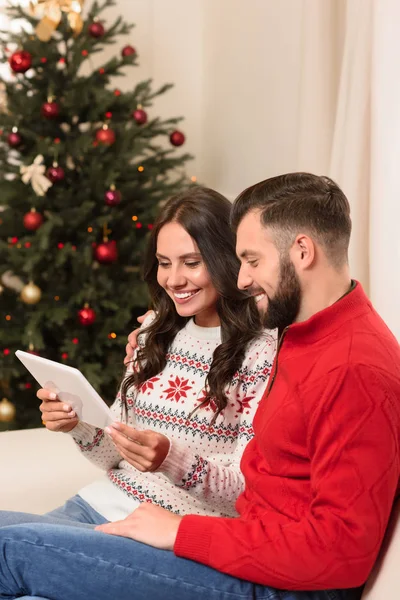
column 31, row 293
column 7, row 411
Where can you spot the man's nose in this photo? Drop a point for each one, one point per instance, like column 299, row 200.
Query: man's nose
column 244, row 281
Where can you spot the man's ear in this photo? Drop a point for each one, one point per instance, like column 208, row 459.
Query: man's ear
column 302, row 252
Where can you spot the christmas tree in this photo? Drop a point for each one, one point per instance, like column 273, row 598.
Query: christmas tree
column 83, row 169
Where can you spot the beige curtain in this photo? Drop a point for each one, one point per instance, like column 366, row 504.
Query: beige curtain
column 349, row 128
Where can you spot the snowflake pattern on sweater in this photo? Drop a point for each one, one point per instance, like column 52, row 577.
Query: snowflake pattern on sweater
column 201, row 473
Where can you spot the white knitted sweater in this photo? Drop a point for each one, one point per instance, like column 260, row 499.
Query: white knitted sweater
column 201, row 473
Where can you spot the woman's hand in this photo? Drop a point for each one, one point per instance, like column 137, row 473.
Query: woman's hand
column 144, row 450
column 132, row 339
column 56, row 415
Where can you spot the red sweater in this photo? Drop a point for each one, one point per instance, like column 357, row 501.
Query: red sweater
column 323, row 468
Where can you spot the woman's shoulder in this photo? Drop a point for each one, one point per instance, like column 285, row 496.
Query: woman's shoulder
column 262, row 348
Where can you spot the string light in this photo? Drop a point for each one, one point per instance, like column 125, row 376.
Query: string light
column 134, row 218
column 64, row 356
column 6, row 351
column 140, row 169
column 27, row 244
column 193, row 178
column 112, row 336
column 75, row 341
column 56, row 298
column 90, row 229
column 60, row 245
column 139, row 225
column 8, row 317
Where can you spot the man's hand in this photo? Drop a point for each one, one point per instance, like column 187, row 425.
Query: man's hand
column 148, row 524
column 132, row 340
column 144, row 450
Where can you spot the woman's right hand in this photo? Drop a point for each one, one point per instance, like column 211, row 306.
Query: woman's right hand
column 56, row 415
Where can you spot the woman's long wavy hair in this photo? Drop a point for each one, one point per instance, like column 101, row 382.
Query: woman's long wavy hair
column 204, row 214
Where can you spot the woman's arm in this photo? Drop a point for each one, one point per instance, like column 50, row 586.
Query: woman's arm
column 216, row 478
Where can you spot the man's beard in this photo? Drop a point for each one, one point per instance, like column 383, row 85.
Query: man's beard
column 284, row 307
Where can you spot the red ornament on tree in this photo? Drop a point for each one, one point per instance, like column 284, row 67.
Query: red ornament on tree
column 112, row 197
column 14, row 139
column 86, row 316
column 140, row 116
column 55, row 173
column 20, row 61
column 96, row 30
column 50, row 110
column 105, row 136
column 106, row 253
column 128, row 51
column 32, row 220
column 177, row 138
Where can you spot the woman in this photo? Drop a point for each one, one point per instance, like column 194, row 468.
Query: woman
column 185, row 410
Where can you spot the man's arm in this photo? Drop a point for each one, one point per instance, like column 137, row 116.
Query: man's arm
column 353, row 434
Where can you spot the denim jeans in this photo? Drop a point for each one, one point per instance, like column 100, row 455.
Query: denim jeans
column 60, row 556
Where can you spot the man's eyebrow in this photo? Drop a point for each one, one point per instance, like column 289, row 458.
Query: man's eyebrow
column 188, row 255
column 247, row 253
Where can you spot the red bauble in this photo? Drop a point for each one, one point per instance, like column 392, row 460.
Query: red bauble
column 32, row 220
column 50, row 110
column 96, row 30
column 55, row 173
column 20, row 61
column 112, row 197
column 14, row 139
column 177, row 138
column 140, row 116
column 106, row 253
column 105, row 136
column 128, row 51
column 86, row 316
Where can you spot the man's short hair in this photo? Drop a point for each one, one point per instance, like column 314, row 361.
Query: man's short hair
column 300, row 203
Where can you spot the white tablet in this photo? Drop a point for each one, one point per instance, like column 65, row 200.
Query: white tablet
column 70, row 386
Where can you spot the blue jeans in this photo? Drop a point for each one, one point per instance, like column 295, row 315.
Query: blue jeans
column 60, row 556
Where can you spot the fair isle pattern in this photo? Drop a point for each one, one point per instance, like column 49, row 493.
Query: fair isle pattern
column 156, row 417
column 88, row 446
column 137, row 492
column 195, row 476
column 201, row 474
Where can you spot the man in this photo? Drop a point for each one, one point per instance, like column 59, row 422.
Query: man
column 322, row 470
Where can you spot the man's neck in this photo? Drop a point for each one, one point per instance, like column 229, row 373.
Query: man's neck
column 322, row 292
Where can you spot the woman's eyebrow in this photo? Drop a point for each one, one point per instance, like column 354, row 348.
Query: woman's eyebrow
column 188, row 255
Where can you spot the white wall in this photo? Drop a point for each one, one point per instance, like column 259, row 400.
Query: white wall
column 237, row 69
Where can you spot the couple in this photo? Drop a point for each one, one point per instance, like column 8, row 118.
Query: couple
column 322, row 470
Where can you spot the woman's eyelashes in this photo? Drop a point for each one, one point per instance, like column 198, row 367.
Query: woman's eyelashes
column 191, row 265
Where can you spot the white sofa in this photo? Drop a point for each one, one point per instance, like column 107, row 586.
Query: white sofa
column 39, row 470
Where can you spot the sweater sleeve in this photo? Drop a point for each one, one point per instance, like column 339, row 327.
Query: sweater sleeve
column 353, row 438
column 93, row 442
column 217, row 478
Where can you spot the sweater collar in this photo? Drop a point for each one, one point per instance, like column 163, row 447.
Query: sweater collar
column 203, row 333
column 328, row 320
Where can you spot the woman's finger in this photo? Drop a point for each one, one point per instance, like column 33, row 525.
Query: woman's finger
column 46, row 395
column 55, row 406
column 57, row 416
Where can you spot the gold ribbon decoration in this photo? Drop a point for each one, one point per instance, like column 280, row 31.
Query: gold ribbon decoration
column 50, row 12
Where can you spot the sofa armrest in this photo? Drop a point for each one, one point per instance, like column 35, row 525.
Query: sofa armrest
column 40, row 469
